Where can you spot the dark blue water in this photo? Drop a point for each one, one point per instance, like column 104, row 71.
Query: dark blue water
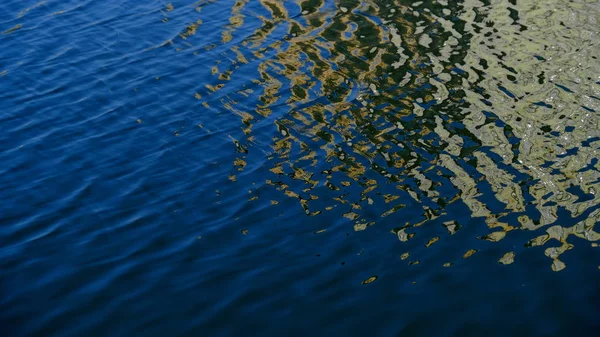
column 169, row 168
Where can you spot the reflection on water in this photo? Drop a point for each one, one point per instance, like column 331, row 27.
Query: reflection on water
column 484, row 103
column 325, row 167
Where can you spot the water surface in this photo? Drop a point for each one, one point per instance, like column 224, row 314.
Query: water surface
column 318, row 167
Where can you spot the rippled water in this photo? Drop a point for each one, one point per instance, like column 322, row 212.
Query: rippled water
column 318, row 167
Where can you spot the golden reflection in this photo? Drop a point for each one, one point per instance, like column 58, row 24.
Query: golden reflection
column 450, row 104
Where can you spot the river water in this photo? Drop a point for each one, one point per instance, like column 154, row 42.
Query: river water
column 295, row 168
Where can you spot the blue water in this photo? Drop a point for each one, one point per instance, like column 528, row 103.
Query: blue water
column 120, row 215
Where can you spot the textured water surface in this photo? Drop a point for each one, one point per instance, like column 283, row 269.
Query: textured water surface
column 294, row 168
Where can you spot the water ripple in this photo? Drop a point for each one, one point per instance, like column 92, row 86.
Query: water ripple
column 299, row 167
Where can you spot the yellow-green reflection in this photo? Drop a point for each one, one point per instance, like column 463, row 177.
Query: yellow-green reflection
column 450, row 103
